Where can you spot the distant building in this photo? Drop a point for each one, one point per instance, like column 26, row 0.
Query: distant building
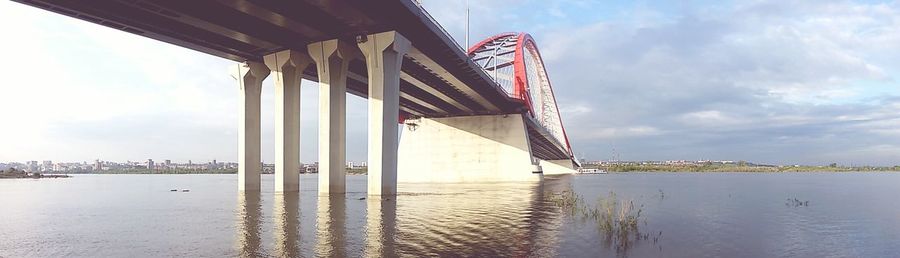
column 150, row 164
column 356, row 165
column 310, row 168
column 268, row 168
column 47, row 165
column 33, row 166
column 98, row 165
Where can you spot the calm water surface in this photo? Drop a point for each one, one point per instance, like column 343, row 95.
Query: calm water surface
column 688, row 215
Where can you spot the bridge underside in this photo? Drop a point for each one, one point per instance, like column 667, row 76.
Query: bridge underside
column 435, row 82
column 437, row 78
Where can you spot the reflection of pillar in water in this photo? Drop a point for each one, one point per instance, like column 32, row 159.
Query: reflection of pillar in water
column 545, row 219
column 287, row 224
column 381, row 227
column 469, row 220
column 330, row 226
column 248, row 212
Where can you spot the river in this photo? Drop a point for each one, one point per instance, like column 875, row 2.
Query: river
column 681, row 215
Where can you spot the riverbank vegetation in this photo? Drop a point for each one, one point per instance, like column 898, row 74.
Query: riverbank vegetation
column 142, row 171
column 736, row 167
column 165, row 171
column 13, row 173
column 617, row 220
column 357, row 171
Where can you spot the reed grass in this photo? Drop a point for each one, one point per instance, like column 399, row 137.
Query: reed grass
column 617, row 220
column 794, row 202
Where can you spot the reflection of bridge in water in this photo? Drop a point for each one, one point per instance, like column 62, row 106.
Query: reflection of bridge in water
column 483, row 115
column 509, row 219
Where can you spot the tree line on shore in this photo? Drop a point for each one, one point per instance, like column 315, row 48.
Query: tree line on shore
column 352, row 171
column 15, row 173
column 740, row 167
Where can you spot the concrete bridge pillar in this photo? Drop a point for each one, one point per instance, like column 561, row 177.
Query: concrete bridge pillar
column 384, row 55
column 287, row 66
column 332, row 59
column 249, row 76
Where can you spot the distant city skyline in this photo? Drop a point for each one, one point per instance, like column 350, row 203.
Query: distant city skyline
column 42, row 162
column 140, row 160
column 104, row 165
column 776, row 82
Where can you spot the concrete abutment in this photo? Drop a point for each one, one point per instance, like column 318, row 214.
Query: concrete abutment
column 489, row 148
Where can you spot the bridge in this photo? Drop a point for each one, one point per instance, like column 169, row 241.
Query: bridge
column 487, row 113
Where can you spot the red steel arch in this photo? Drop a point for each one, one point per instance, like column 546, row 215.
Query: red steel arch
column 515, row 63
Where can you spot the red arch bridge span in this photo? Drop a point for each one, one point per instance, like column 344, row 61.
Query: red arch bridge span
column 486, row 114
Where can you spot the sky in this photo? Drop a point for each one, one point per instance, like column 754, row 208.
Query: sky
column 777, row 82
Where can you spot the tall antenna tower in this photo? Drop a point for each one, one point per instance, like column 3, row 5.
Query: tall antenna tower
column 467, row 26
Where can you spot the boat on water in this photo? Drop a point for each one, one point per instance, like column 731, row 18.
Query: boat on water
column 591, row 171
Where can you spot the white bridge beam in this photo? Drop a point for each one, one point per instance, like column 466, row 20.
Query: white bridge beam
column 441, row 72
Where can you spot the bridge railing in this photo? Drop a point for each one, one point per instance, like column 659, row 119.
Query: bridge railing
column 456, row 44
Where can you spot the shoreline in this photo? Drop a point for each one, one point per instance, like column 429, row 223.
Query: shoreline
column 713, row 168
column 213, row 173
column 31, row 176
column 193, row 172
column 750, row 172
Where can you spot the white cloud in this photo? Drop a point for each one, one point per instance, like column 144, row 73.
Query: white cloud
column 711, row 118
column 619, row 133
column 733, row 80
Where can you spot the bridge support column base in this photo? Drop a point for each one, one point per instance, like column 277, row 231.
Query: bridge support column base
column 384, row 55
column 249, row 76
column 491, row 148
